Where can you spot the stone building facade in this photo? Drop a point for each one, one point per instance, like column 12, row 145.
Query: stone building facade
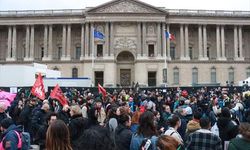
column 210, row 47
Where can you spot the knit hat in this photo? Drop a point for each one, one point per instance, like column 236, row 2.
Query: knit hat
column 5, row 123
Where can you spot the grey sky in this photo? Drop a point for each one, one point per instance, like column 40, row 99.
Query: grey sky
column 243, row 5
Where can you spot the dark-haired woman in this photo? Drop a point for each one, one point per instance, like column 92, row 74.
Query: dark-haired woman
column 146, row 132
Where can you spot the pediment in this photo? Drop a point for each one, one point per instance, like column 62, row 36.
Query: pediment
column 126, row 6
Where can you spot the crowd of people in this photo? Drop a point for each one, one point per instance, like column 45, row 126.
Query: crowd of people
column 172, row 119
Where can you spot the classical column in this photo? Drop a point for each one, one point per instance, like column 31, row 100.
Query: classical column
column 106, row 49
column 50, row 47
column 86, row 45
column 158, row 52
column 223, row 57
column 218, row 42
column 168, row 44
column 240, row 44
column 45, row 43
column 205, row 42
column 144, row 48
column 82, row 42
column 235, row 42
column 200, row 43
column 139, row 35
column 182, row 43
column 164, row 41
column 92, row 40
column 14, row 44
column 68, row 43
column 64, row 41
column 111, row 40
column 9, row 43
column 27, row 43
column 32, row 40
column 186, row 53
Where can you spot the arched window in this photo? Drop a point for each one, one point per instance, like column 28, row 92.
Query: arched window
column 248, row 72
column 176, row 75
column 194, row 75
column 75, row 73
column 231, row 75
column 213, row 75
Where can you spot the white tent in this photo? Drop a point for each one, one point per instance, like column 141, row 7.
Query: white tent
column 246, row 81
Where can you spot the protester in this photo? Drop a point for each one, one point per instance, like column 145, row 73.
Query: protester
column 57, row 136
column 203, row 139
column 166, row 142
column 146, row 130
column 242, row 141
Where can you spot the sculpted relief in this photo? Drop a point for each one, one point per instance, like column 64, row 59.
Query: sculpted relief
column 125, row 7
column 125, row 44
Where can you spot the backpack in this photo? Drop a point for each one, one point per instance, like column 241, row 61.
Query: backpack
column 23, row 141
column 25, row 138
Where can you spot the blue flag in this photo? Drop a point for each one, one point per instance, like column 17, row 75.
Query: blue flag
column 98, row 34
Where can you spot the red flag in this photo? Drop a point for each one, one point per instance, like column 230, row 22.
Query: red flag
column 58, row 94
column 38, row 88
column 102, row 90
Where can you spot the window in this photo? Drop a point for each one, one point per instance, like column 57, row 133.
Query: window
column 77, row 52
column 152, row 78
column 74, row 73
column 59, row 53
column 191, row 52
column 208, row 52
column 213, row 75
column 98, row 77
column 231, row 75
column 99, row 50
column 42, row 52
column 151, row 50
column 176, row 75
column 248, row 72
column 194, row 76
column 172, row 51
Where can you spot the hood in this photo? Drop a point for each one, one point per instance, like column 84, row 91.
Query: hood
column 193, row 125
column 223, row 122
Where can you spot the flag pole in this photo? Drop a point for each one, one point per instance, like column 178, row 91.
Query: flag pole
column 93, row 53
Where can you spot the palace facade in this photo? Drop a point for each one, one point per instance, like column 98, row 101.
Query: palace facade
column 210, row 47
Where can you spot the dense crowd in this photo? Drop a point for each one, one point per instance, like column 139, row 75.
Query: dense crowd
column 201, row 119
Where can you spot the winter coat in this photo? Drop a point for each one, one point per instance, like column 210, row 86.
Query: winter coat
column 38, row 119
column 137, row 140
column 239, row 143
column 228, row 129
column 122, row 137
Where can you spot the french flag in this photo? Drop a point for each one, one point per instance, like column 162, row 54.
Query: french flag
column 169, row 35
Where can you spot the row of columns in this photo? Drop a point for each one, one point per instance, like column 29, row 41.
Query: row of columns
column 162, row 45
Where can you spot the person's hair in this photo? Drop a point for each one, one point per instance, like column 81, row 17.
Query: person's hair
column 135, row 117
column 95, row 138
column 225, row 112
column 244, row 130
column 122, row 119
column 3, row 106
column 48, row 117
column 5, row 123
column 204, row 123
column 172, row 120
column 166, row 142
column 112, row 112
column 146, row 124
column 57, row 136
column 197, row 114
column 76, row 109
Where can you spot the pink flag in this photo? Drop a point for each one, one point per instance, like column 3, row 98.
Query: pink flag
column 7, row 96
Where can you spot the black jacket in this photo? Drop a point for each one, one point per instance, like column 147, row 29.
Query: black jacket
column 228, row 129
column 122, row 137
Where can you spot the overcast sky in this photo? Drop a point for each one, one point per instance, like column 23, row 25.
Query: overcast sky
column 243, row 5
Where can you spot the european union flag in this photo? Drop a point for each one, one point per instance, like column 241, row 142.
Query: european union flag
column 98, row 34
